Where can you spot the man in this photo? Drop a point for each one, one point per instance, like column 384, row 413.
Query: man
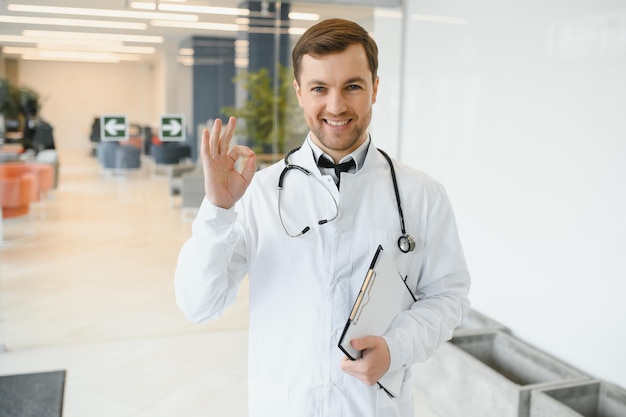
column 307, row 244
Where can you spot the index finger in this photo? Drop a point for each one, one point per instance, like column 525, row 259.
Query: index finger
column 214, row 138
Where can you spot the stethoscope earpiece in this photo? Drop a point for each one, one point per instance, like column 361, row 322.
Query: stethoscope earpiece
column 406, row 243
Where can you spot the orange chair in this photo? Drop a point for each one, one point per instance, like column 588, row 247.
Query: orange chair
column 17, row 191
column 43, row 173
column 16, row 194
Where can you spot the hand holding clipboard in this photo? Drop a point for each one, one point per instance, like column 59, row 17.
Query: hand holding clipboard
column 383, row 295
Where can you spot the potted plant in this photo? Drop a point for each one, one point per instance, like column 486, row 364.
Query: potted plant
column 271, row 121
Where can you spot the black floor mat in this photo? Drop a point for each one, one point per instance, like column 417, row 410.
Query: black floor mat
column 32, row 395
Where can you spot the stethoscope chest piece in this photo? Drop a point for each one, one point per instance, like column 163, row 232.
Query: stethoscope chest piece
column 406, row 243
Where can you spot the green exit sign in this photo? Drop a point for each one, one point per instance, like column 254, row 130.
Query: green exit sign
column 172, row 128
column 113, row 127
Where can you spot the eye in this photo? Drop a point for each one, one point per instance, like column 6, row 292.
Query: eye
column 318, row 89
column 354, row 87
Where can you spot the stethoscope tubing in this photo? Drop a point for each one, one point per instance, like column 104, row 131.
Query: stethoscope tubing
column 406, row 243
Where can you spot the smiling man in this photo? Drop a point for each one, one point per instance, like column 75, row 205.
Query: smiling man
column 304, row 231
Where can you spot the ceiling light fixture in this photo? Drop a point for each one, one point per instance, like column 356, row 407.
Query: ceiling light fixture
column 89, row 35
column 230, row 11
column 15, row 39
column 142, row 5
column 304, row 16
column 122, row 49
column 34, row 53
column 100, row 12
column 297, row 31
column 110, row 24
column 227, row 27
column 186, row 51
column 102, row 60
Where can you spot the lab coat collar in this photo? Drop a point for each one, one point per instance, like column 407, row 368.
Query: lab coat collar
column 358, row 155
column 305, row 157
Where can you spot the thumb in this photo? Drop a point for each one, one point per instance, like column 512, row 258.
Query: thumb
column 249, row 168
column 363, row 343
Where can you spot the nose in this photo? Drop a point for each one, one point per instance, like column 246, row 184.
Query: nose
column 336, row 103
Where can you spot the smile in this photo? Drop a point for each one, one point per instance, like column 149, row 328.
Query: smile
column 337, row 123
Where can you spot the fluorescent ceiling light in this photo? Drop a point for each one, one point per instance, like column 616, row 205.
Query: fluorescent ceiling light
column 34, row 53
column 304, row 16
column 78, row 43
column 100, row 12
column 72, row 22
column 15, row 39
column 62, row 42
column 89, row 35
column 145, row 5
column 87, row 55
column 185, row 60
column 297, row 31
column 140, row 5
column 228, row 27
column 101, row 60
column 147, row 50
column 231, row 11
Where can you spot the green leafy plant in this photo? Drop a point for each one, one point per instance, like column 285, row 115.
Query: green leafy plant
column 17, row 102
column 269, row 119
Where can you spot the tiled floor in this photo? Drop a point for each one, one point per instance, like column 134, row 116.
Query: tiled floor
column 92, row 293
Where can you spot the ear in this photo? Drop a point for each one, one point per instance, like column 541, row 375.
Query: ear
column 375, row 90
column 298, row 92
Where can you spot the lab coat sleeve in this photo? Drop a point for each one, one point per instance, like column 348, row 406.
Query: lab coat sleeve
column 442, row 291
column 211, row 264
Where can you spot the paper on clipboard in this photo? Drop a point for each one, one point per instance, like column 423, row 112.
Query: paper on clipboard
column 383, row 295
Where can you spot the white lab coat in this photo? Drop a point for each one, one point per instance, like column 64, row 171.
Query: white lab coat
column 302, row 289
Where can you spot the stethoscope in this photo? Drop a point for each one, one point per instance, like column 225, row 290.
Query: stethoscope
column 406, row 242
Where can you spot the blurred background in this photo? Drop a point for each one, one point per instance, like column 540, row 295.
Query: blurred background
column 517, row 108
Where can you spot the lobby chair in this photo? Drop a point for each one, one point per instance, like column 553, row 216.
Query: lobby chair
column 113, row 156
column 17, row 191
column 170, row 153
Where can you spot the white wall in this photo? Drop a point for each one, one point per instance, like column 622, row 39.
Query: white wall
column 519, row 108
column 74, row 93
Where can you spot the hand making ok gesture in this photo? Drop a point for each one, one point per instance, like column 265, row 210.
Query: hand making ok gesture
column 223, row 184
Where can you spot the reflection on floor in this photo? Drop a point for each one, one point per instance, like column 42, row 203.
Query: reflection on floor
column 92, row 293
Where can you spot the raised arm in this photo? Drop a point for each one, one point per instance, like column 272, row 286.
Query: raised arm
column 211, row 263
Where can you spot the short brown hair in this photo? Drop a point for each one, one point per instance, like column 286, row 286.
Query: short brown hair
column 331, row 36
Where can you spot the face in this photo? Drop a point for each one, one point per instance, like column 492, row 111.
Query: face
column 336, row 93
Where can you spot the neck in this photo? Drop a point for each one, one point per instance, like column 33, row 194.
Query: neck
column 338, row 154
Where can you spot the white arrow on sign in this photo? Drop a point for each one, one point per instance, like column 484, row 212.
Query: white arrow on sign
column 113, row 128
column 174, row 127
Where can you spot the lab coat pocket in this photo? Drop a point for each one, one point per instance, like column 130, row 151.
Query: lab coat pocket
column 400, row 406
column 268, row 399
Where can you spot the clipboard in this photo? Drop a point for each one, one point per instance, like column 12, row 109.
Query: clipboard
column 383, row 295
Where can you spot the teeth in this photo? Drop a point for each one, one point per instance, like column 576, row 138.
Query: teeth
column 332, row 123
